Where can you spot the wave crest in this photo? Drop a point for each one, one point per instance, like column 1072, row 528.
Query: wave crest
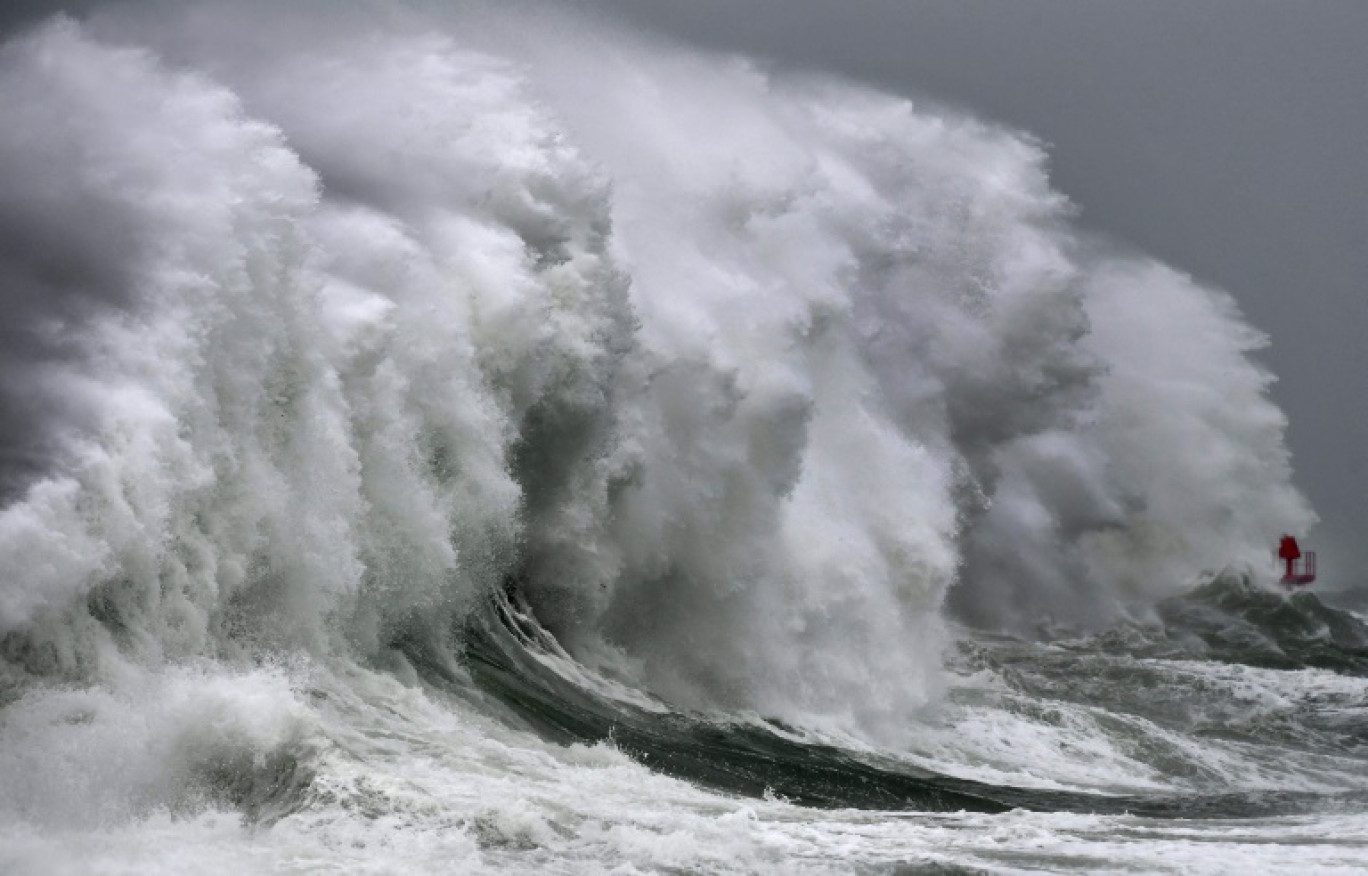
column 736, row 373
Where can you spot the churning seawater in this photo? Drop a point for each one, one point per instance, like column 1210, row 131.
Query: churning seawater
column 467, row 440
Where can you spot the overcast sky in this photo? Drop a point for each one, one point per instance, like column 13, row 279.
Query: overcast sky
column 1229, row 138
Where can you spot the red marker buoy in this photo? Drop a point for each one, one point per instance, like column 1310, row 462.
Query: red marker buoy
column 1299, row 568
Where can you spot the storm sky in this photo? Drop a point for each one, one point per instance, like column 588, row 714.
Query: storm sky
column 1228, row 138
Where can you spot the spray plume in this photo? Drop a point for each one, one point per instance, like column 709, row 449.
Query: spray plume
column 737, row 374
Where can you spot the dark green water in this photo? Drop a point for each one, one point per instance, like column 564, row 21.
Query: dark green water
column 1134, row 677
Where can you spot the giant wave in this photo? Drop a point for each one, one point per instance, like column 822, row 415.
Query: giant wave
column 336, row 337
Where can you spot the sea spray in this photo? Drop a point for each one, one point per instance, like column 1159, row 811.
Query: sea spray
column 734, row 374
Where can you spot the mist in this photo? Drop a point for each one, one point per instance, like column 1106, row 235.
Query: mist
column 1225, row 138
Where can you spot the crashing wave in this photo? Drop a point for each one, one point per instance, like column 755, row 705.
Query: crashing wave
column 737, row 373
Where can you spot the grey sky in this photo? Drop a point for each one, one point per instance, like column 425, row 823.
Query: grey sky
column 1229, row 138
column 1226, row 137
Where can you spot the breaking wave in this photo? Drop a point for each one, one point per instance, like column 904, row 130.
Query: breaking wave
column 341, row 343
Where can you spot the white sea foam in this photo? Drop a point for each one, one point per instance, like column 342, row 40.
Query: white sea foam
column 736, row 375
column 409, row 783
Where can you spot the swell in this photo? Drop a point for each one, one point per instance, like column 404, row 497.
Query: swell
column 507, row 651
column 1235, row 617
column 1232, row 618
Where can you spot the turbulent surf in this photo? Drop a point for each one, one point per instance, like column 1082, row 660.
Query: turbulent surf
column 451, row 439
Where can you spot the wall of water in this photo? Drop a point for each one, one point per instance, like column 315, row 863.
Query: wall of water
column 324, row 329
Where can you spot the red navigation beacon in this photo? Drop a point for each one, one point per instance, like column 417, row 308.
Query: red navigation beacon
column 1299, row 568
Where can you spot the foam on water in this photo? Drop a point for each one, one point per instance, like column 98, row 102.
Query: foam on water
column 329, row 328
column 409, row 783
column 408, row 779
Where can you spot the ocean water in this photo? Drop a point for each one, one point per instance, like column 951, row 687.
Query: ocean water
column 449, row 439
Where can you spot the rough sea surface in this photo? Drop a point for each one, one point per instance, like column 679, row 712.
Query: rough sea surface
column 446, row 439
